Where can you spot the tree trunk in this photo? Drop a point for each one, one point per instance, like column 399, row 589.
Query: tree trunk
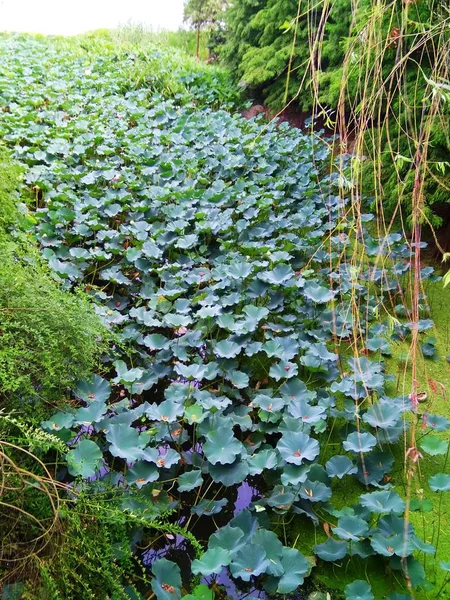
column 197, row 48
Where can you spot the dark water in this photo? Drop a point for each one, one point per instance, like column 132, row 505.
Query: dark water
column 179, row 550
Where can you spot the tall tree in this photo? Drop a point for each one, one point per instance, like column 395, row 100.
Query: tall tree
column 201, row 14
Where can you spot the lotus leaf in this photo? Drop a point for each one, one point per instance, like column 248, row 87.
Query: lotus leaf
column 359, row 442
column 295, row 567
column 351, row 528
column 331, row 550
column 95, row 389
column 227, row 349
column 249, row 562
column 280, row 275
column 166, row 583
column 318, row 293
column 383, row 502
column 212, row 562
column 91, row 414
column 440, row 482
column 85, row 459
column 338, row 466
column 297, row 447
column 382, row 414
column 433, row 445
column 358, row 590
column 315, row 491
column 229, row 474
column 209, row 507
column 221, row 446
column 227, row 537
column 142, row 472
column 125, row 442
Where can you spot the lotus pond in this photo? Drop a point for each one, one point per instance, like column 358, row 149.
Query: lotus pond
column 244, row 408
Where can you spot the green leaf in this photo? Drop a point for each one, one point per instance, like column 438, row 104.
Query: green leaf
column 283, row 370
column 254, row 313
column 338, row 466
column 190, row 480
column 62, row 420
column 221, row 446
column 318, row 293
column 315, row 491
column 359, row 442
column 382, row 414
column 295, row 567
column 227, row 537
column 167, row 580
column 194, row 371
column 433, row 445
column 125, row 375
column 90, row 414
column 209, row 507
column 383, row 502
column 194, row 414
column 446, row 279
column 379, row 344
column 142, row 473
column 155, row 341
column 227, row 349
column 85, row 459
column 176, row 320
column 125, row 442
column 96, row 388
column 264, row 460
column 239, row 270
column 331, row 550
column 200, row 592
column 351, row 528
column 211, row 562
column 440, row 482
column 281, row 274
column 297, row 447
column 239, row 379
column 229, row 474
column 358, row 590
column 249, row 562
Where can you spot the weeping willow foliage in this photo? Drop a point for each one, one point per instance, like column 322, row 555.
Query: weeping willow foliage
column 375, row 71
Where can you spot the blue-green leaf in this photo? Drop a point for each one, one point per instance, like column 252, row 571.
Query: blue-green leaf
column 85, row 459
column 358, row 590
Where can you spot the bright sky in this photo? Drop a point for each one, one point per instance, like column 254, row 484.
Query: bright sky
column 69, row 17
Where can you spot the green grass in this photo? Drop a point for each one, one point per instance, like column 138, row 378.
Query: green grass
column 139, row 35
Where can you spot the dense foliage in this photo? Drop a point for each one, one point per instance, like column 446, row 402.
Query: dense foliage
column 216, row 251
column 372, row 59
column 202, row 14
column 49, row 339
column 267, row 41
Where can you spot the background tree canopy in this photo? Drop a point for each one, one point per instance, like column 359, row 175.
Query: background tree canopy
column 202, row 13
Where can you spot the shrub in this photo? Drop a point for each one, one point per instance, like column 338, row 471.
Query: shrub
column 49, row 338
